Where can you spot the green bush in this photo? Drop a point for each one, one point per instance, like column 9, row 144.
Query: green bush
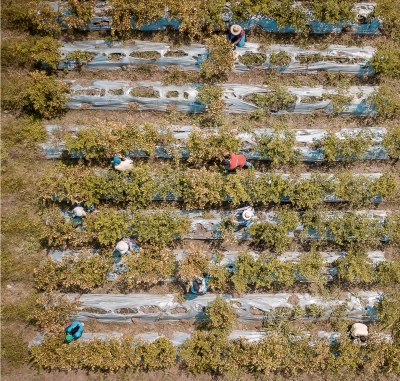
column 279, row 59
column 389, row 313
column 355, row 268
column 75, row 274
column 277, row 99
column 204, row 147
column 350, row 147
column 159, row 228
column 311, row 267
column 220, row 61
column 80, row 13
column 332, row 11
column 44, row 96
column 221, row 316
column 158, row 355
column 206, row 352
column 391, row 142
column 146, row 268
column 211, row 97
column 46, row 51
column 107, row 226
column 388, row 12
column 386, row 60
column 386, row 101
column 32, row 17
column 53, row 311
column 278, row 146
column 195, row 263
column 274, row 235
column 309, row 193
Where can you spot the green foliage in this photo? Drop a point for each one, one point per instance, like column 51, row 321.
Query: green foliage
column 274, row 235
column 386, row 60
column 388, row 273
column 44, row 96
column 386, row 101
column 388, row 12
column 73, row 274
column 211, row 97
column 332, row 11
column 204, row 147
column 158, row 355
column 107, row 226
column 349, row 147
column 53, row 311
column 338, row 101
column 104, row 140
column 221, row 315
column 311, row 268
column 46, row 51
column 389, row 313
column 391, row 141
column 201, row 188
column 196, row 263
column 278, row 146
column 309, row 193
column 159, row 229
column 277, row 99
column 33, row 17
column 314, row 310
column 206, row 352
column 146, row 268
column 220, row 61
column 80, row 13
column 279, row 59
column 252, row 59
column 122, row 12
column 199, row 18
column 310, row 58
column 355, row 267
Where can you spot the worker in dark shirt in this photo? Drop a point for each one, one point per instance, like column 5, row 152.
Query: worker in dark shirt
column 236, row 36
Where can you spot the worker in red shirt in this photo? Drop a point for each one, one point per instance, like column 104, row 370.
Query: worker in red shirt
column 233, row 161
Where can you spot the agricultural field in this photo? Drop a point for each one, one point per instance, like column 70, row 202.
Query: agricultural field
column 312, row 100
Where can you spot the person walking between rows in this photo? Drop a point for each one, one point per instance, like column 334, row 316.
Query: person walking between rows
column 233, row 161
column 236, row 36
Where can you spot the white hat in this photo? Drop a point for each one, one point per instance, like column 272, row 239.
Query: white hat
column 236, row 29
column 248, row 214
column 78, row 211
column 122, row 247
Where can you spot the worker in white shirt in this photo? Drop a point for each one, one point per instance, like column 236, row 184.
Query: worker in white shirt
column 359, row 331
column 122, row 164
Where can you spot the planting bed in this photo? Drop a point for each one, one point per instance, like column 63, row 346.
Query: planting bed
column 312, row 101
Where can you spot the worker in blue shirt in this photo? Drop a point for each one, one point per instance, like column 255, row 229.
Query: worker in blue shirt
column 74, row 331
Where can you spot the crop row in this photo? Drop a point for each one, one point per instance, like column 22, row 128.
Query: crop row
column 280, row 146
column 199, row 18
column 213, row 352
column 237, row 98
column 202, row 188
column 272, row 231
column 82, row 271
column 284, row 58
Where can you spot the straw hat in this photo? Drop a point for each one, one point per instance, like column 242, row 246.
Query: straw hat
column 248, row 214
column 236, row 29
column 78, row 211
column 122, row 247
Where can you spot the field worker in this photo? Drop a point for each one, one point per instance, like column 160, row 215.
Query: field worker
column 359, row 331
column 199, row 285
column 245, row 216
column 74, row 331
column 124, row 164
column 233, row 161
column 236, row 36
column 77, row 215
column 125, row 246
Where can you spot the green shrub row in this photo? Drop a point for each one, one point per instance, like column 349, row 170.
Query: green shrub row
column 202, row 188
column 264, row 273
column 99, row 142
column 212, row 352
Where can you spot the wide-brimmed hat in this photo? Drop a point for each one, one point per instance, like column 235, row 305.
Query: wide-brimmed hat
column 236, row 29
column 122, row 247
column 78, row 211
column 248, row 214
